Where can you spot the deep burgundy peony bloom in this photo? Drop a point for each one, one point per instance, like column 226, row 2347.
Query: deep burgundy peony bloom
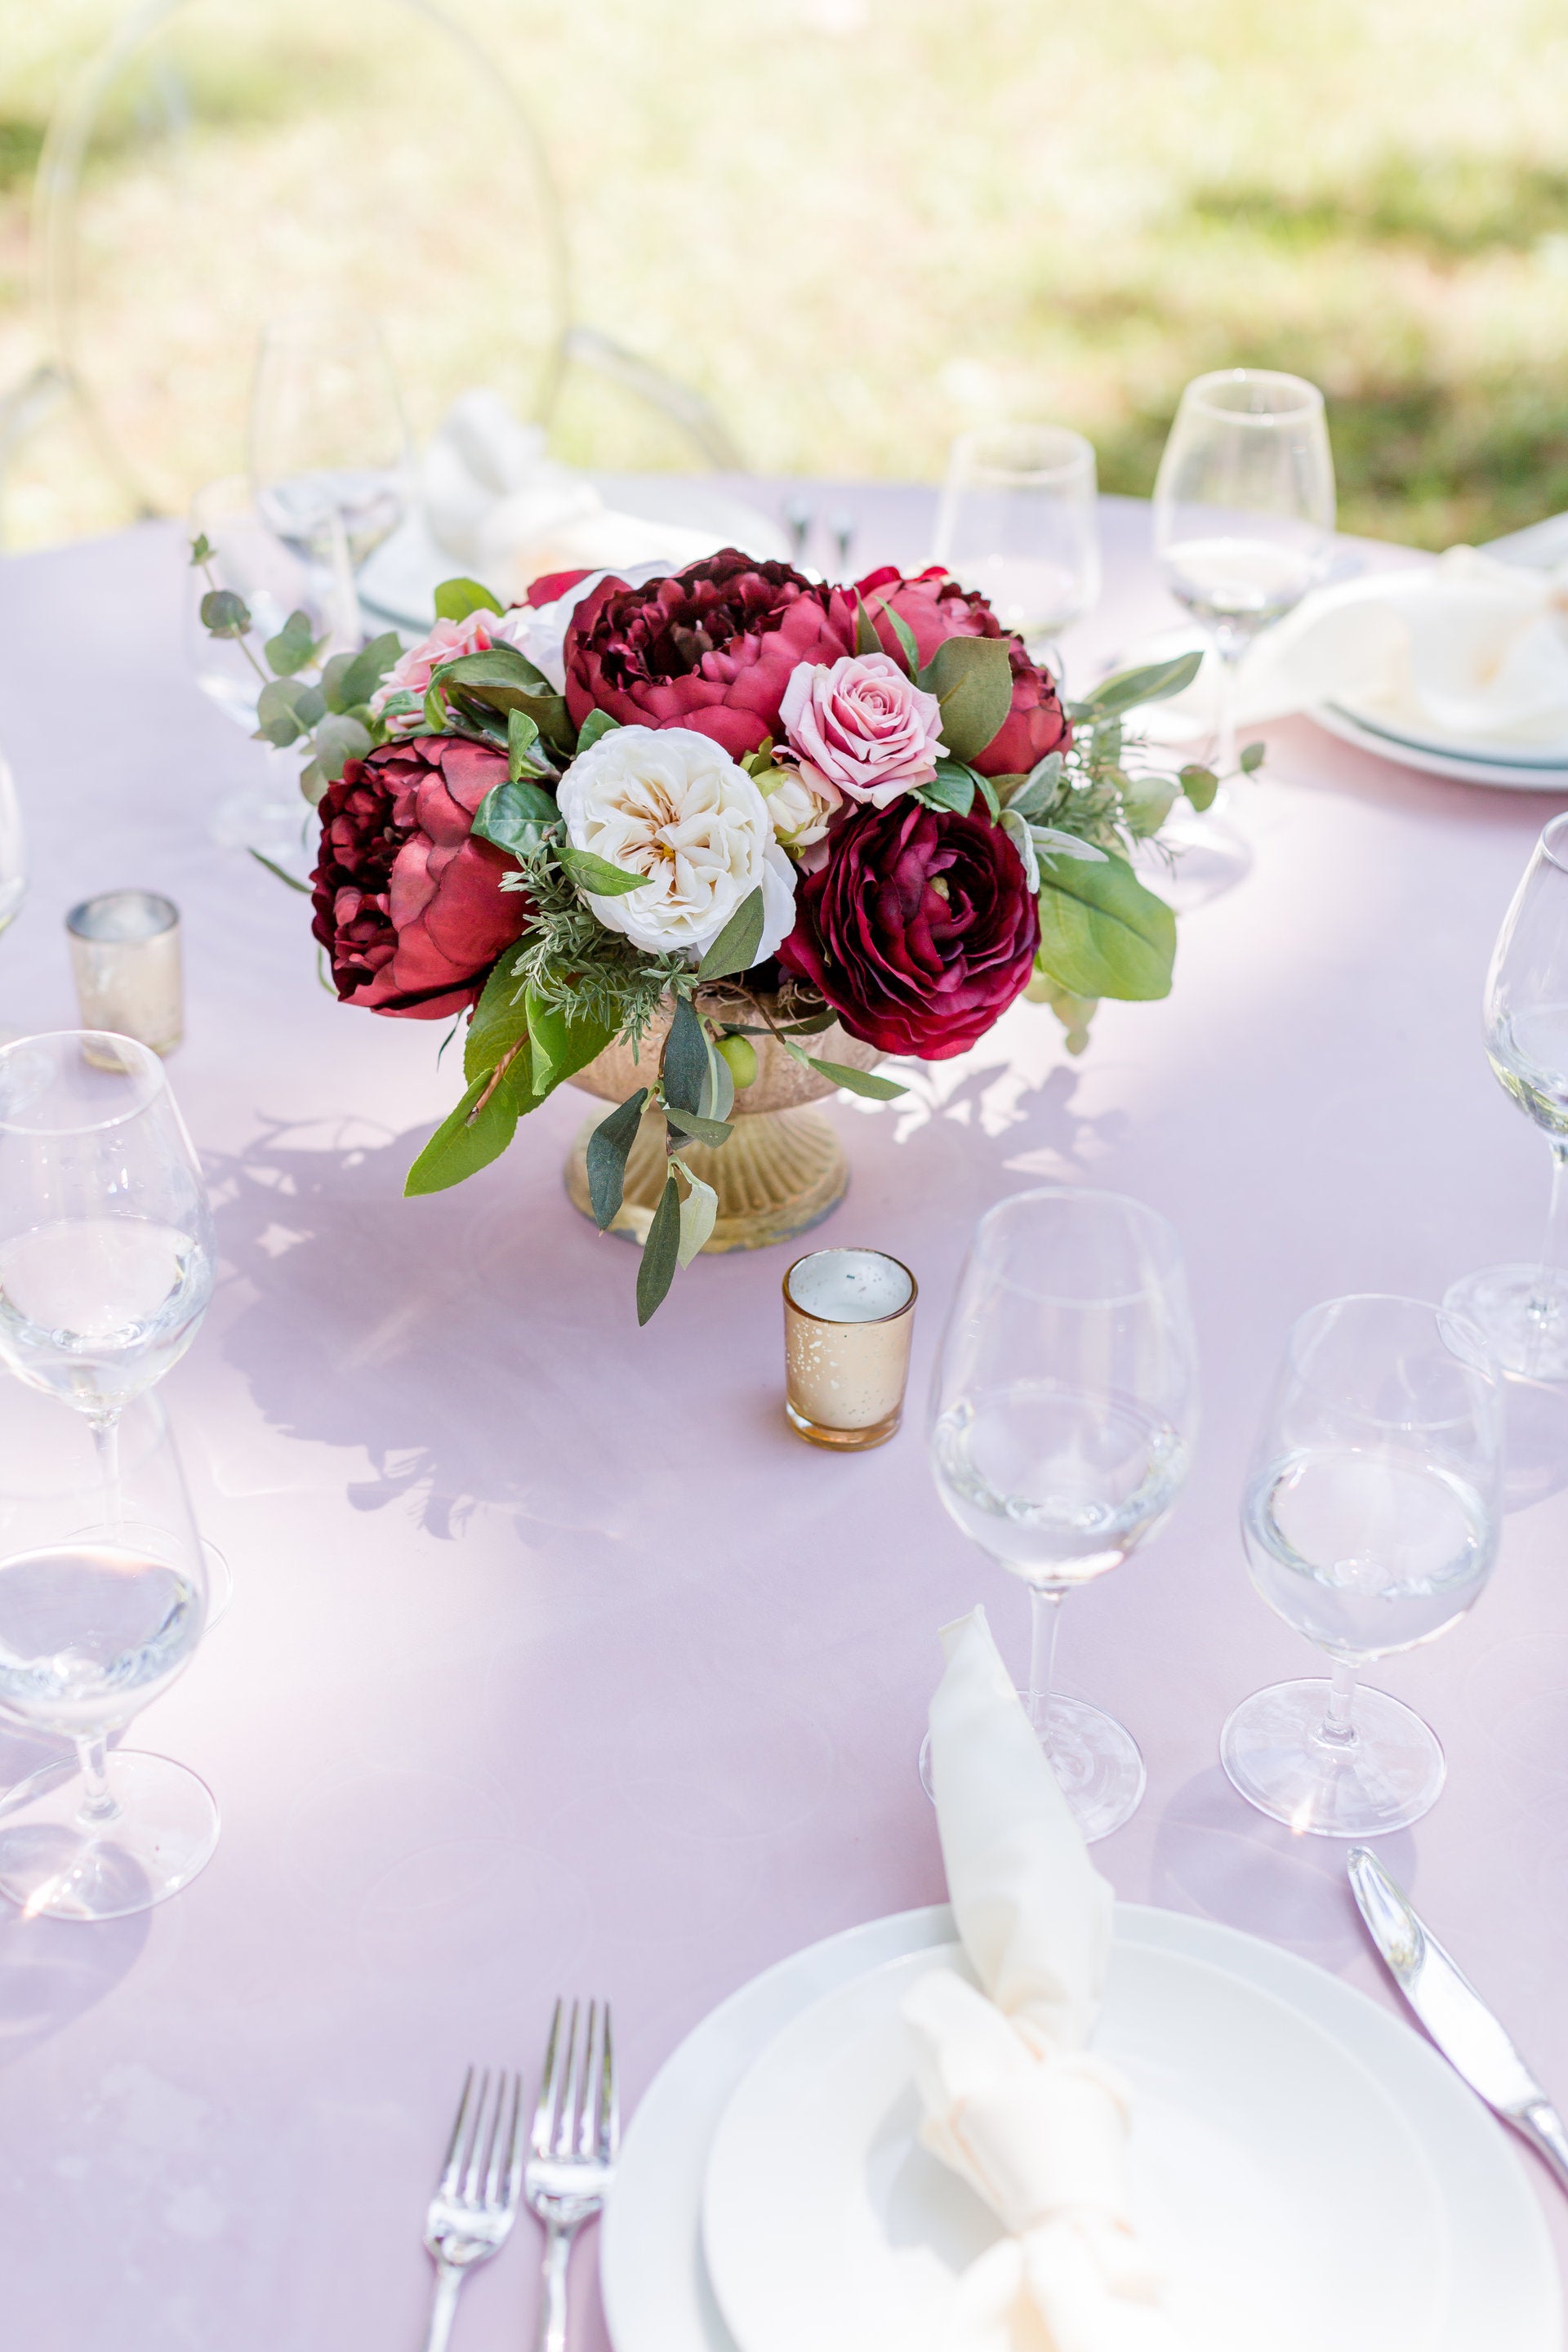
column 711, row 648
column 408, row 904
column 936, row 608
column 919, row 930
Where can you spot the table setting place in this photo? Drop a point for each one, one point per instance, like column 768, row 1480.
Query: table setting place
column 804, row 881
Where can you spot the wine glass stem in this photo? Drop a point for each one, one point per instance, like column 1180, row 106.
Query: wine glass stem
column 106, row 1442
column 1337, row 1732
column 1045, row 1621
column 1228, row 654
column 98, row 1805
column 345, row 594
column 1554, row 1248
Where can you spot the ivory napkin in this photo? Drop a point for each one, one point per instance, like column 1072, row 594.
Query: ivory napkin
column 1013, row 2103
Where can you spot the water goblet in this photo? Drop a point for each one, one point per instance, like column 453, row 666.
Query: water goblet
column 1064, row 1408
column 102, row 1600
column 1522, row 1310
column 1371, row 1517
column 1019, row 520
column 1244, row 525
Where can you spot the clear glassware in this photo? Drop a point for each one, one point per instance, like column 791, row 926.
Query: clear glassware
column 1522, row 1310
column 102, row 1600
column 106, row 1240
column 329, row 449
column 12, row 849
column 1019, row 520
column 1243, row 526
column 1371, row 1517
column 1064, row 1410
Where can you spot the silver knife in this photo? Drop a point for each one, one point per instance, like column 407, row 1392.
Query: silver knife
column 1454, row 2013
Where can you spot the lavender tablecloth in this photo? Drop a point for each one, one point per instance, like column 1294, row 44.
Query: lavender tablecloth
column 556, row 1662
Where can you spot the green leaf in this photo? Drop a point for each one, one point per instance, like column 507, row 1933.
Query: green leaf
column 333, row 679
column 225, row 614
column 685, row 1063
column 608, row 1147
column 698, row 1212
column 367, row 668
column 292, row 647
column 313, row 782
column 1033, row 794
column 660, row 1252
column 560, row 1046
column 455, row 599
column 292, row 879
column 867, row 641
column 597, row 874
column 201, row 549
column 1103, row 933
column 859, row 1082
column 499, row 1019
column 1155, row 682
column 521, row 736
column 701, row 1131
column 274, row 719
column 500, row 675
column 1200, row 785
column 1017, row 832
column 339, row 738
column 735, row 948
column 1252, row 757
column 1146, row 803
column 719, row 1092
column 989, row 794
column 973, row 680
column 953, row 788
column 905, row 637
column 597, row 723
column 515, row 816
column 458, row 1148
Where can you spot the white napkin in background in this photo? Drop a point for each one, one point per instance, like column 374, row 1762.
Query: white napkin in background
column 1013, row 2103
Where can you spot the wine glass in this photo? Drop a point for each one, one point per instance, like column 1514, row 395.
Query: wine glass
column 1019, row 520
column 12, row 849
column 1371, row 1517
column 247, row 557
column 1244, row 525
column 1522, row 1310
column 102, row 1600
column 329, row 448
column 1064, row 1408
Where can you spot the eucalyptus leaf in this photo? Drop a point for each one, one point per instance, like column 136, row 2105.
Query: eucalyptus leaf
column 339, row 738
column 292, row 647
column 455, row 599
column 608, row 1147
column 285, row 708
column 859, row 1082
column 597, row 723
column 1200, row 785
column 313, row 780
column 735, row 948
column 1103, row 933
column 201, row 549
column 367, row 668
column 1252, row 757
column 225, row 614
column 660, row 1252
column 973, row 680
column 1129, row 688
column 515, row 816
column 685, row 1063
column 595, row 874
column 465, row 1142
column 333, row 676
column 711, row 1131
column 698, row 1212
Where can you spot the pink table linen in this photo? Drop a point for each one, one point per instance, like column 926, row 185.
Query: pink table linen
column 556, row 1662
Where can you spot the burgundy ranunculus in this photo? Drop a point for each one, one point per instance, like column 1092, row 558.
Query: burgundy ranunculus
column 408, row 904
column 711, row 648
column 919, row 930
column 936, row 608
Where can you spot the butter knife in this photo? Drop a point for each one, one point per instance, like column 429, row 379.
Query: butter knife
column 1454, row 2013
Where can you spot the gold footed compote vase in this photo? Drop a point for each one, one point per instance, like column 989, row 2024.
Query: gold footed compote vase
column 782, row 1169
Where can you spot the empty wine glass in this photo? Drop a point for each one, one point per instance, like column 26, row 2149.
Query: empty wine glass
column 102, row 1600
column 1522, row 1310
column 329, row 448
column 1019, row 520
column 1064, row 1408
column 249, row 559
column 1244, row 525
column 1371, row 1517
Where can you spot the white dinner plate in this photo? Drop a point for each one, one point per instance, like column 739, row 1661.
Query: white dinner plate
column 1502, row 2288
column 1277, row 2186
column 1520, row 776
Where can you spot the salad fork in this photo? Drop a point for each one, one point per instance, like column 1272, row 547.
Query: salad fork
column 571, row 2150
column 475, row 2204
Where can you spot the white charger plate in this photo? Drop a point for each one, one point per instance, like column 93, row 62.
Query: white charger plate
column 1277, row 2186
column 1502, row 2281
column 1514, row 776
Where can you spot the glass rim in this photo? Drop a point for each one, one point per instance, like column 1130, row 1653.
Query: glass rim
column 967, row 467
column 861, row 1322
column 1553, row 844
column 1482, row 1361
column 146, row 1064
column 1200, row 393
column 1152, row 1223
column 153, row 901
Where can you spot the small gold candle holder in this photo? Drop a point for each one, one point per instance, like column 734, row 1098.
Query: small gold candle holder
column 125, row 954
column 848, row 1314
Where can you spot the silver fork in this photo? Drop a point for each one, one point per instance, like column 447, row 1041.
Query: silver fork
column 571, row 2150
column 475, row 2202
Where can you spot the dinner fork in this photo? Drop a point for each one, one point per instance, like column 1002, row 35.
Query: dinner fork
column 475, row 2202
column 571, row 2150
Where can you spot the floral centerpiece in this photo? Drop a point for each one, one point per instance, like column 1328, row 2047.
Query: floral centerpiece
column 705, row 810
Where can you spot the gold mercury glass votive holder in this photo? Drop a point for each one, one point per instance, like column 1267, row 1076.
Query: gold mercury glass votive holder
column 125, row 954
column 848, row 1314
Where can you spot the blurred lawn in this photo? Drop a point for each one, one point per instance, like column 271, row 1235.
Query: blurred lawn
column 858, row 225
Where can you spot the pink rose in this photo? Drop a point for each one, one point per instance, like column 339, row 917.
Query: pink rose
column 936, row 608
column 863, row 726
column 412, row 672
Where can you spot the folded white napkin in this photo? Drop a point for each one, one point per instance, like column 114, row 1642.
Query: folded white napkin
column 1013, row 2104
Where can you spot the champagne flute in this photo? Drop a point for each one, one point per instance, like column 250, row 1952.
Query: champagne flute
column 102, row 1600
column 1371, row 1517
column 1019, row 520
column 1522, row 1310
column 1064, row 1408
column 1243, row 526
column 329, row 448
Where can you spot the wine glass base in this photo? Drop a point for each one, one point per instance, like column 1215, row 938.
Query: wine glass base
column 55, row 1867
column 1096, row 1760
column 1522, row 1312
column 1391, row 1775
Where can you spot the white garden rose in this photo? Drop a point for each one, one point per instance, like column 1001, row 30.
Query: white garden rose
column 667, row 802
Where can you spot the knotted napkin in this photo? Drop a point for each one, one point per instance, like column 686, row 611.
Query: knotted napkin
column 1013, row 2103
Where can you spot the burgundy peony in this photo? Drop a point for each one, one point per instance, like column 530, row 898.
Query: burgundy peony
column 936, row 608
column 919, row 930
column 408, row 904
column 711, row 648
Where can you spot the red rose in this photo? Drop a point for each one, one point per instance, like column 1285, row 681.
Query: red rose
column 711, row 648
column 936, row 608
column 408, row 904
column 919, row 930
